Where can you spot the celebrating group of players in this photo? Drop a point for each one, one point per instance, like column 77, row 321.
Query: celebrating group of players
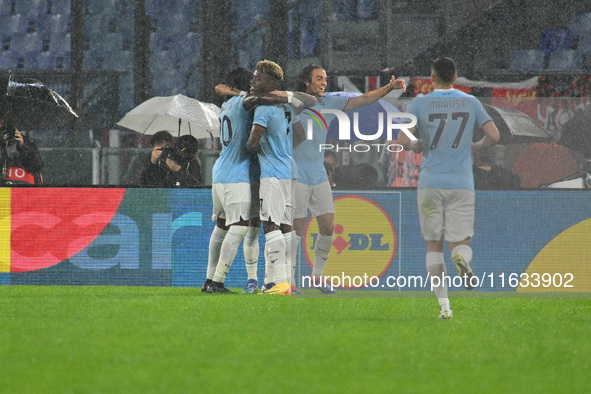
column 271, row 171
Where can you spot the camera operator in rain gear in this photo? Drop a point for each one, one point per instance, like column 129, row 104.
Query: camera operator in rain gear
column 20, row 158
column 170, row 165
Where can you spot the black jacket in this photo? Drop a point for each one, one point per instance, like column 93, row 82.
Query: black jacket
column 21, row 166
column 156, row 175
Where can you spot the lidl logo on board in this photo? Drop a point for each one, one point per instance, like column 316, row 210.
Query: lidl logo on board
column 365, row 239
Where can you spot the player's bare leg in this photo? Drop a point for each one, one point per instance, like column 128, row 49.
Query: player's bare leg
column 437, row 272
column 461, row 255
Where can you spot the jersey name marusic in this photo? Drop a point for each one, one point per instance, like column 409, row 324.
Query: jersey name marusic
column 442, row 104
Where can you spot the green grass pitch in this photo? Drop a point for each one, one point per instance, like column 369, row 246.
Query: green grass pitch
column 56, row 339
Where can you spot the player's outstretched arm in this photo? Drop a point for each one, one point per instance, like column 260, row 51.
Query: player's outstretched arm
column 266, row 99
column 374, row 95
column 225, row 90
column 306, row 99
column 491, row 137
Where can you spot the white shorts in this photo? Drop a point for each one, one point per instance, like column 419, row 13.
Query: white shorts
column 446, row 212
column 317, row 198
column 231, row 201
column 275, row 200
column 292, row 207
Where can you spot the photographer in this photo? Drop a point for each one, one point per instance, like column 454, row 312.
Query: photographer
column 20, row 158
column 168, row 166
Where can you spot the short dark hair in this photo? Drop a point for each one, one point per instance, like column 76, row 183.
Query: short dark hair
column 161, row 136
column 444, row 69
column 239, row 78
column 305, row 76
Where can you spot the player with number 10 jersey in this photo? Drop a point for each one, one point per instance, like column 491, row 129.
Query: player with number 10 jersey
column 233, row 162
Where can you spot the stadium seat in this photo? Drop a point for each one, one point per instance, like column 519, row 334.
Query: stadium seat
column 126, row 92
column 93, row 8
column 120, row 61
column 155, row 7
column 162, row 61
column 54, row 23
column 553, row 40
column 60, row 42
column 14, row 24
column 26, row 43
column 93, row 59
column 565, row 60
column 8, row 60
column 190, row 44
column 45, row 60
column 527, row 60
column 188, row 50
column 31, row 8
column 96, row 26
column 6, row 40
column 59, row 7
column 366, row 9
column 62, row 61
column 167, row 83
column 110, row 42
column 5, row 8
column 246, row 18
column 172, row 24
column 580, row 24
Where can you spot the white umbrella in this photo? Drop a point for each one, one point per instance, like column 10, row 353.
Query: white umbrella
column 187, row 115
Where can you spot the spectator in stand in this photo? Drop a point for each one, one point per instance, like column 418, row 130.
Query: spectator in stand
column 20, row 158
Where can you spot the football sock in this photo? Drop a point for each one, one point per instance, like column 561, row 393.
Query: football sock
column 275, row 245
column 288, row 237
column 295, row 243
column 321, row 251
column 436, row 268
column 269, row 272
column 215, row 243
column 251, row 251
column 465, row 251
column 228, row 251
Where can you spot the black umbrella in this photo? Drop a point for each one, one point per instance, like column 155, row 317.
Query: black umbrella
column 576, row 133
column 515, row 126
column 31, row 105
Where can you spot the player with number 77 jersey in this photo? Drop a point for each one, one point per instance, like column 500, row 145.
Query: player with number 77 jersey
column 446, row 119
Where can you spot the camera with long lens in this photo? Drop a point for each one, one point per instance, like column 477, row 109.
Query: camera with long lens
column 7, row 134
column 168, row 152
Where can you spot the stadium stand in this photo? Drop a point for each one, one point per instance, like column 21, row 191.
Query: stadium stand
column 32, row 9
column 565, row 60
column 527, row 60
column 59, row 7
column 580, row 25
column 557, row 39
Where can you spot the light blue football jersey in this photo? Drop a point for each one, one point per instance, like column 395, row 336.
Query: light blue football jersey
column 446, row 120
column 275, row 145
column 308, row 157
column 232, row 166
